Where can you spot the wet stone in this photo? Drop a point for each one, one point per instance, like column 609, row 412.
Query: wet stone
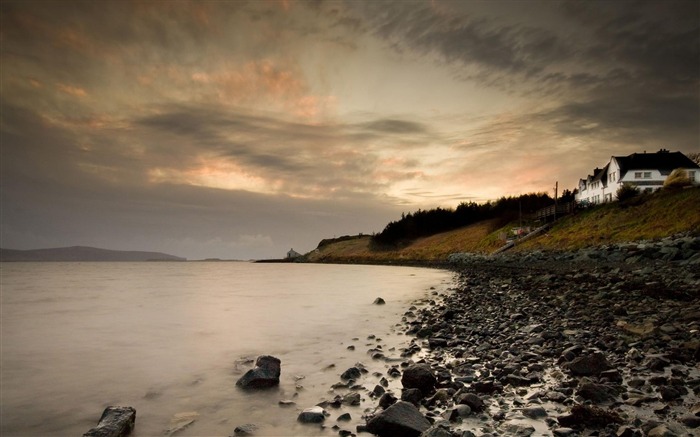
column 312, row 415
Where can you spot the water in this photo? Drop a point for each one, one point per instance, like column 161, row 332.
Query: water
column 169, row 338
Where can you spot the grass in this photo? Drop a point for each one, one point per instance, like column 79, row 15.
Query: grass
column 649, row 217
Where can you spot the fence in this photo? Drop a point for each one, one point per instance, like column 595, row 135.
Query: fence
column 555, row 211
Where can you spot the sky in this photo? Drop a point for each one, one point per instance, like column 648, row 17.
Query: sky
column 241, row 129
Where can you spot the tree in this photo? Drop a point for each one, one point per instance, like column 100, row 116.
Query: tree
column 678, row 179
column 568, row 196
column 694, row 156
column 626, row 192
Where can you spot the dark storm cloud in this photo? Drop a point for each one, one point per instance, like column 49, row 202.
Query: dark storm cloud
column 608, row 71
column 632, row 119
column 470, row 40
column 651, row 42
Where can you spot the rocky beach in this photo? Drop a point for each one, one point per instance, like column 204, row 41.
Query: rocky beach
column 602, row 341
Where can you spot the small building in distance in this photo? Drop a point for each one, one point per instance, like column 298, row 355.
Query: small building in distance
column 292, row 254
column 646, row 171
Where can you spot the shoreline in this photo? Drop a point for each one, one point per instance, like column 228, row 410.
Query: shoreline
column 602, row 340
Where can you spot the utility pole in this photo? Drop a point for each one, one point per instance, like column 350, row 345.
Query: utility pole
column 556, row 194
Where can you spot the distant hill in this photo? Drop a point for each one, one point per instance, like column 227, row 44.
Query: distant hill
column 83, row 253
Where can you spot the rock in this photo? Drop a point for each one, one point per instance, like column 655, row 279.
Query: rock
column 440, row 396
column 517, row 430
column 312, row 415
column 265, row 374
column 351, row 399
column 387, row 400
column 286, row 403
column 564, row 432
column 345, row 417
column 460, row 412
column 661, row 431
column 555, row 396
column 534, row 412
column 351, row 373
column 379, row 301
column 628, row 431
column 412, row 395
column 588, row 416
column 570, row 353
column 419, row 376
column 400, row 419
column 657, row 363
column 378, row 391
column 589, row 365
column 518, row 381
column 115, row 421
column 245, row 430
column 474, row 401
column 487, row 387
column 668, row 393
column 691, row 422
column 596, row 393
column 436, row 342
column 436, row 431
column 611, row 375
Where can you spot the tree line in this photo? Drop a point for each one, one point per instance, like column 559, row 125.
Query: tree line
column 424, row 223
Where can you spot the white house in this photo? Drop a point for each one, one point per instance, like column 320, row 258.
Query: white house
column 647, row 171
column 293, row 254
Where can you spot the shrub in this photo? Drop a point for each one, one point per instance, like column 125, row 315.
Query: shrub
column 677, row 179
column 626, row 192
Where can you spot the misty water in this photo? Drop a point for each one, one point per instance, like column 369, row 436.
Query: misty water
column 170, row 339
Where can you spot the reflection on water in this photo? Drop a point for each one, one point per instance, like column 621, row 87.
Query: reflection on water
column 169, row 338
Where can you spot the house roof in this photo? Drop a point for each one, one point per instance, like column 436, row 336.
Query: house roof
column 601, row 175
column 663, row 161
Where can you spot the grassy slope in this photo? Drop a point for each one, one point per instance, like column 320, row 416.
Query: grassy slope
column 657, row 216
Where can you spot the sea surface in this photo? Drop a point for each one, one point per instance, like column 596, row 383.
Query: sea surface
column 172, row 339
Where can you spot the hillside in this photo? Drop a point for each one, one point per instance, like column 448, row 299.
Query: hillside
column 83, row 253
column 650, row 217
column 644, row 218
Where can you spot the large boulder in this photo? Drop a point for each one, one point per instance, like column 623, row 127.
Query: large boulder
column 400, row 419
column 419, row 376
column 115, row 422
column 265, row 374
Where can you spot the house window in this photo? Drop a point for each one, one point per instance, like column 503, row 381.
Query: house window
column 647, row 175
column 691, row 176
column 637, row 174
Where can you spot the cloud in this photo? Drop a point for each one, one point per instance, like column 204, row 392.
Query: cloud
column 393, row 126
column 72, row 90
column 50, row 199
column 280, row 84
column 298, row 159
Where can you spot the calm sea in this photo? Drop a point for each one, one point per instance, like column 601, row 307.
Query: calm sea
column 171, row 339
